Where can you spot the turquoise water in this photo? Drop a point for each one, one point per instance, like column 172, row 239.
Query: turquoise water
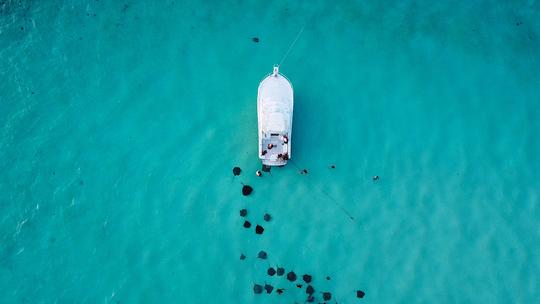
column 121, row 123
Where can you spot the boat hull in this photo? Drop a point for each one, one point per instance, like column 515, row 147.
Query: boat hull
column 275, row 101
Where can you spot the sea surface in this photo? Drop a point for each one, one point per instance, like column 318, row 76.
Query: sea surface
column 121, row 122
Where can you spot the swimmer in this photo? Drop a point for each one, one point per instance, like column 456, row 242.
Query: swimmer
column 258, row 173
column 285, row 139
column 264, row 153
column 270, row 146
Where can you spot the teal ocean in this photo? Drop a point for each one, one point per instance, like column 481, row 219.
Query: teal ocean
column 121, row 122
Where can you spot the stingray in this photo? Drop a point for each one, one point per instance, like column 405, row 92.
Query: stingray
column 243, row 212
column 247, row 224
column 268, row 288
column 310, row 290
column 326, row 296
column 328, row 278
column 333, row 166
column 246, row 190
column 280, row 271
column 271, row 271
column 266, row 168
column 280, row 290
column 291, row 276
column 255, row 39
column 310, row 299
column 259, row 229
column 307, row 278
column 236, row 171
column 267, row 217
column 257, row 288
column 262, row 255
column 360, row 294
column 242, row 257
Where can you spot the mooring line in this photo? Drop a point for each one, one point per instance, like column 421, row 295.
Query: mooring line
column 292, row 44
column 328, row 196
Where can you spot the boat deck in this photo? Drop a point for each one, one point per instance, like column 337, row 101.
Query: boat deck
column 279, row 148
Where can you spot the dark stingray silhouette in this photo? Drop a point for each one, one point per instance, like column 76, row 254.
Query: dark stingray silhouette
column 243, row 212
column 271, row 271
column 257, row 288
column 236, row 171
column 262, row 255
column 291, row 276
column 268, row 288
column 280, row 271
column 326, row 296
column 246, row 190
column 307, row 278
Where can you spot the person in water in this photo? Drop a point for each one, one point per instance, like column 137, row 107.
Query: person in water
column 285, row 139
column 270, row 146
column 264, row 153
column 258, row 173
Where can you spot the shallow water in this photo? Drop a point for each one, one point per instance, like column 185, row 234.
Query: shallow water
column 121, row 123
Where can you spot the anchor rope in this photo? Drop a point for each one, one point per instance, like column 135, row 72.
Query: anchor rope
column 292, row 44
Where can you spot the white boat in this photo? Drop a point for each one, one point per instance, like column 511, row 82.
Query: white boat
column 275, row 113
